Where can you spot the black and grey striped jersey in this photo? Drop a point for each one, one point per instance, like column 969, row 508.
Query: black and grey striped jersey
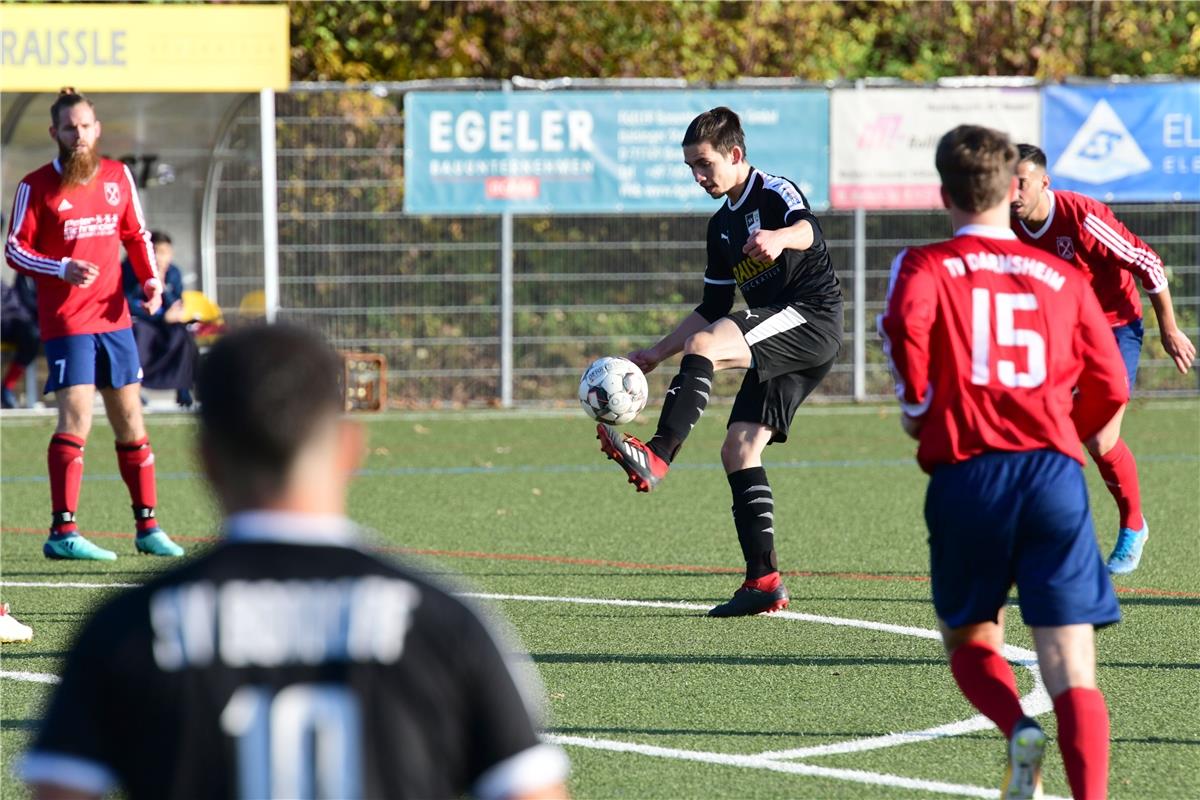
column 804, row 277
column 287, row 662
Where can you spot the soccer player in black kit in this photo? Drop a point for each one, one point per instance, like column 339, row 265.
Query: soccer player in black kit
column 765, row 241
column 287, row 662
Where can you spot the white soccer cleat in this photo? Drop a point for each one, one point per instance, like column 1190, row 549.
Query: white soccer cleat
column 10, row 629
column 1023, row 778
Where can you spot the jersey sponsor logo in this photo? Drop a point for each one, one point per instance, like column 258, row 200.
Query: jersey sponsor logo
column 1066, row 248
column 1102, row 150
column 112, row 193
column 750, row 273
column 65, row 205
column 89, row 227
column 753, row 222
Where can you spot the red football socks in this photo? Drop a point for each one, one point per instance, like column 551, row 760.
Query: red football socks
column 136, row 463
column 1083, row 739
column 64, row 462
column 1119, row 470
column 13, row 374
column 988, row 682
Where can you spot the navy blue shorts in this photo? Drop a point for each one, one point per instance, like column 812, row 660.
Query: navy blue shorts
column 1129, row 342
column 1004, row 518
column 104, row 360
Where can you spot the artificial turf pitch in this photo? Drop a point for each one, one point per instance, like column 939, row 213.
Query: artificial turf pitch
column 654, row 700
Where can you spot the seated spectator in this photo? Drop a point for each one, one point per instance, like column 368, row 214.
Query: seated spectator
column 165, row 345
column 18, row 327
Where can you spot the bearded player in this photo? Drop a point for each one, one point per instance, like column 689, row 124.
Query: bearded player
column 69, row 221
column 1004, row 362
column 1085, row 233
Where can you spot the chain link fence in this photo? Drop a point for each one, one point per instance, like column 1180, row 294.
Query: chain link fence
column 425, row 292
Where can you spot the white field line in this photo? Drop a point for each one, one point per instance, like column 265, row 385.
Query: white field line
column 1035, row 703
column 758, row 762
column 67, row 585
column 30, row 677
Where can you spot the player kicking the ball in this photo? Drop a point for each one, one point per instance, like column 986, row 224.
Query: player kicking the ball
column 988, row 338
column 766, row 241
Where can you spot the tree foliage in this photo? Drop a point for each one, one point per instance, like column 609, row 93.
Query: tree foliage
column 713, row 40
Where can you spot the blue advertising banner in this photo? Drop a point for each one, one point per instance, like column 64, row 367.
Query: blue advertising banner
column 595, row 152
column 1136, row 142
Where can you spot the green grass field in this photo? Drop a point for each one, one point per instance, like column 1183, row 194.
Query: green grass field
column 652, row 699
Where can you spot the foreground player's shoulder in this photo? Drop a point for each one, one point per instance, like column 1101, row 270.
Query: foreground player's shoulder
column 44, row 177
column 784, row 191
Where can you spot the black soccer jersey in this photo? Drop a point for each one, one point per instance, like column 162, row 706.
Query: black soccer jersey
column 804, row 277
column 285, row 664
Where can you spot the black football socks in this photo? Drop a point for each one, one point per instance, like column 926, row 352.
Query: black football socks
column 754, row 518
column 683, row 405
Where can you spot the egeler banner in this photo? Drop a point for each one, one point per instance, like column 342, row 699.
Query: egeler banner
column 1137, row 142
column 882, row 141
column 170, row 47
column 595, row 152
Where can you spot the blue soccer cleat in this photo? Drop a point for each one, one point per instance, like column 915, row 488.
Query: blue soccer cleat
column 1127, row 553
column 75, row 547
column 155, row 542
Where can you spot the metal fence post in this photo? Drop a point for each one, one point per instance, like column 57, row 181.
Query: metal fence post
column 270, row 219
column 506, row 309
column 860, row 304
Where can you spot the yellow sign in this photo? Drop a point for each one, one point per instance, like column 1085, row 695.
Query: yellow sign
column 106, row 47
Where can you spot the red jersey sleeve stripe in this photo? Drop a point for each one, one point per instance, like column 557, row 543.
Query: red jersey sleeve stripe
column 141, row 218
column 13, row 248
column 1146, row 261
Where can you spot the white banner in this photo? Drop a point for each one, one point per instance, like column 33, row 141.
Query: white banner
column 882, row 141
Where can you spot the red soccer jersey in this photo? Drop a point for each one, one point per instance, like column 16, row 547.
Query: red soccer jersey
column 988, row 338
column 1084, row 232
column 52, row 224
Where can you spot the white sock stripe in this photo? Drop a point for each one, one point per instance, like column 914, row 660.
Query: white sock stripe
column 767, row 530
column 758, row 487
column 767, row 515
column 759, row 500
column 707, row 383
column 776, row 323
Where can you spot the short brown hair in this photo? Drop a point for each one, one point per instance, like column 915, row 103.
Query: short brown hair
column 67, row 98
column 976, row 165
column 720, row 127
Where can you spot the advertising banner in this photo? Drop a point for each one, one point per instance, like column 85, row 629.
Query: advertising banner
column 595, row 152
column 883, row 140
column 170, row 47
column 1125, row 142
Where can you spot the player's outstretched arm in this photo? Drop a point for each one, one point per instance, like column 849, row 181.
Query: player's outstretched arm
column 1178, row 346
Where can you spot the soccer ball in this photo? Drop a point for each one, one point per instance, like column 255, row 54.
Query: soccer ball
column 613, row 390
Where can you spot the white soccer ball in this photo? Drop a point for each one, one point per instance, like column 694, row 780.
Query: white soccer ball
column 613, row 390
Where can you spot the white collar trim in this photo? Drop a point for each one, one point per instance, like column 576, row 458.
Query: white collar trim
column 986, row 231
column 288, row 527
column 745, row 191
column 1045, row 225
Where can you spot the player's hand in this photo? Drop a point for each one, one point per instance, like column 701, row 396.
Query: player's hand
column 174, row 313
column 764, row 246
column 646, row 360
column 153, row 291
column 1180, row 348
column 81, row 273
column 912, row 425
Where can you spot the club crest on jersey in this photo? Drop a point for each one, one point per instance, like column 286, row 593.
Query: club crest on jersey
column 753, row 223
column 1066, row 248
column 112, row 193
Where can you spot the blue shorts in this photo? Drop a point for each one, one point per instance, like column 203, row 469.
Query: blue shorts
column 1129, row 342
column 1004, row 518
column 104, row 360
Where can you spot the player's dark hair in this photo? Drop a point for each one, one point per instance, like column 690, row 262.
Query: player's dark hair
column 264, row 390
column 1031, row 153
column 720, row 127
column 67, row 98
column 977, row 166
column 159, row 237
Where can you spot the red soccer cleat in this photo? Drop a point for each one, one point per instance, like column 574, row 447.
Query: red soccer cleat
column 644, row 467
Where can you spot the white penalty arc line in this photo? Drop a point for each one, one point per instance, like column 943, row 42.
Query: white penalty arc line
column 1037, row 702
